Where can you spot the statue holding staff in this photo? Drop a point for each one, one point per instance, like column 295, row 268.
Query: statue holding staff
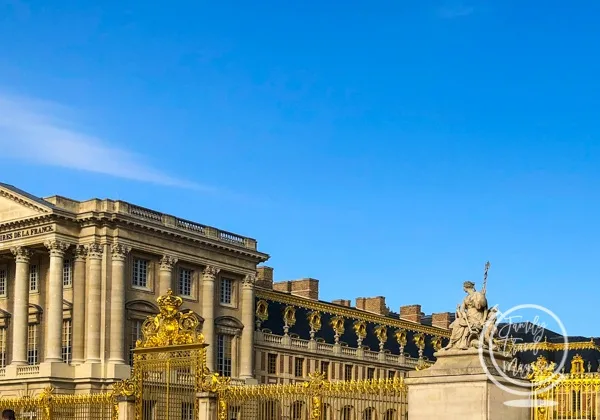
column 474, row 323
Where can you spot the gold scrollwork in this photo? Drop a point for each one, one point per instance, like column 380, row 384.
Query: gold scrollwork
column 262, row 310
column 170, row 327
column 360, row 328
column 314, row 320
column 337, row 323
column 381, row 333
column 289, row 316
column 400, row 335
column 419, row 340
column 436, row 343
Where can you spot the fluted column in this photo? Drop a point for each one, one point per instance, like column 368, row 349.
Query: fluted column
column 79, row 304
column 93, row 297
column 54, row 317
column 247, row 355
column 165, row 277
column 117, row 304
column 208, row 313
column 21, row 308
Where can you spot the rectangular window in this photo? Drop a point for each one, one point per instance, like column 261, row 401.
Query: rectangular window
column 325, row 369
column 136, row 334
column 3, row 281
column 224, row 355
column 272, row 364
column 299, row 367
column 66, row 341
column 348, row 372
column 34, row 278
column 32, row 347
column 370, row 373
column 185, row 282
column 140, row 273
column 2, row 347
column 67, row 273
column 226, row 291
column 187, row 411
column 391, row 374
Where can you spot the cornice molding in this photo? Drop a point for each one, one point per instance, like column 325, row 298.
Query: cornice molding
column 348, row 313
column 545, row 346
column 117, row 220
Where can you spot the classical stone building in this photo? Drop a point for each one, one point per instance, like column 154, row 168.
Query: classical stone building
column 77, row 279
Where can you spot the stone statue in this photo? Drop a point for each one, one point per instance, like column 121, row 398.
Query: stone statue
column 474, row 323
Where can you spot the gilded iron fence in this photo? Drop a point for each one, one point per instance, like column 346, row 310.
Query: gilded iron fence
column 49, row 406
column 317, row 399
column 556, row 396
column 168, row 382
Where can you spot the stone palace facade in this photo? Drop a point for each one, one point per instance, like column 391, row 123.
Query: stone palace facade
column 78, row 278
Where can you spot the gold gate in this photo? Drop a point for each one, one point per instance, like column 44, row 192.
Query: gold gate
column 169, row 364
column 317, row 399
column 573, row 395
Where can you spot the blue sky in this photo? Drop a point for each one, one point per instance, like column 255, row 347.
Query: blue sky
column 385, row 148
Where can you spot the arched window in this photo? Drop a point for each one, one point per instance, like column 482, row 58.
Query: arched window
column 270, row 410
column 297, row 411
column 390, row 414
column 347, row 412
column 228, row 331
column 326, row 412
column 369, row 414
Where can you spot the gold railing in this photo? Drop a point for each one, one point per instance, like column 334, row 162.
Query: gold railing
column 49, row 406
column 556, row 396
column 317, row 399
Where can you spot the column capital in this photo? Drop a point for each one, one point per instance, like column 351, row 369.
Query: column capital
column 21, row 253
column 57, row 248
column 119, row 251
column 79, row 253
column 167, row 262
column 211, row 271
column 94, row 251
column 249, row 280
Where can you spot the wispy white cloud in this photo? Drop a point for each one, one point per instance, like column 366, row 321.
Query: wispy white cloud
column 457, row 11
column 45, row 133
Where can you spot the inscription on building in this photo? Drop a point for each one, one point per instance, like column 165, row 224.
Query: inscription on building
column 25, row 233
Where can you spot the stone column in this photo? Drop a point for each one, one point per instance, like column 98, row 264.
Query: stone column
column 54, row 317
column 208, row 313
column 21, row 305
column 117, row 304
column 165, row 280
column 94, row 286
column 79, row 304
column 247, row 359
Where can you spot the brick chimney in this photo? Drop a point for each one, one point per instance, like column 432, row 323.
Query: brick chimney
column 264, row 277
column 375, row 305
column 342, row 302
column 307, row 288
column 411, row 313
column 441, row 320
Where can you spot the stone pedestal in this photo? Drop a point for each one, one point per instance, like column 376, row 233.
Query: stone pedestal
column 458, row 386
column 207, row 406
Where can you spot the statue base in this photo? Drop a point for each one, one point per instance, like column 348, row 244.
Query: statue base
column 460, row 386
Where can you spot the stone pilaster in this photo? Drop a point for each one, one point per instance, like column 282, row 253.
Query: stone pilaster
column 21, row 305
column 165, row 279
column 208, row 313
column 54, row 317
column 247, row 359
column 94, row 283
column 117, row 304
column 79, row 256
